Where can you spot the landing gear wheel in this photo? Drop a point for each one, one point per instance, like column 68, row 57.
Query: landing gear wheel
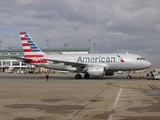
column 86, row 75
column 129, row 77
column 78, row 76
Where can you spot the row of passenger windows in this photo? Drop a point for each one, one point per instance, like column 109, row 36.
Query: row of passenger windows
column 68, row 59
column 140, row 59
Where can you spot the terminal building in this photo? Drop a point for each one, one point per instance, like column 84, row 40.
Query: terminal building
column 8, row 63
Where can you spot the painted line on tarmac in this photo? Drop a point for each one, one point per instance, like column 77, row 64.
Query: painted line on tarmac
column 110, row 84
column 87, row 104
column 115, row 104
column 153, row 87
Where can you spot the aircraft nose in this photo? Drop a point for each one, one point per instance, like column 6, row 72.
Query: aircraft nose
column 148, row 64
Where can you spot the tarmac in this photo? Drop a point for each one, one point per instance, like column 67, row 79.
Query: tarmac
column 31, row 97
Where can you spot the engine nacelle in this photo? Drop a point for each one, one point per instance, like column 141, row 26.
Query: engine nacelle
column 109, row 73
column 71, row 68
column 96, row 71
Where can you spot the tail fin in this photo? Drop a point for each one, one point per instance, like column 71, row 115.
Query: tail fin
column 32, row 53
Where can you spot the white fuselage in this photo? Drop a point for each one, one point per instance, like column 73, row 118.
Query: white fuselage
column 112, row 62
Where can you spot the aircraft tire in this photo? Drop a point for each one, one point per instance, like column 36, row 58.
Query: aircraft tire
column 78, row 76
column 129, row 77
column 86, row 76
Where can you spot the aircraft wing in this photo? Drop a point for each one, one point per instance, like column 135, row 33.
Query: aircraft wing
column 73, row 64
column 20, row 58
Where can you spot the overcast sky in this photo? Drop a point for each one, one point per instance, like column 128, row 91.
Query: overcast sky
column 114, row 25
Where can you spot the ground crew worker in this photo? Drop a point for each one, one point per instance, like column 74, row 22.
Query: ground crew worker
column 47, row 75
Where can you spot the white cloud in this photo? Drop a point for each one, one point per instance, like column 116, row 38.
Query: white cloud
column 114, row 25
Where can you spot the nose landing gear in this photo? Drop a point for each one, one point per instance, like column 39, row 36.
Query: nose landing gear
column 129, row 76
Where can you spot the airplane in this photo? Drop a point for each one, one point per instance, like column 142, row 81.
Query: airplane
column 97, row 65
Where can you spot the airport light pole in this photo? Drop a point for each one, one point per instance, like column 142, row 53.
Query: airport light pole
column 0, row 56
column 47, row 44
column 89, row 46
column 94, row 48
column 65, row 45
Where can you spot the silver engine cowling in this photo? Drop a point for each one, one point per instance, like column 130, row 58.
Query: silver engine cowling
column 96, row 71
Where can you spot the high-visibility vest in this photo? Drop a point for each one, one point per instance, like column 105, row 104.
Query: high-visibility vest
column 47, row 73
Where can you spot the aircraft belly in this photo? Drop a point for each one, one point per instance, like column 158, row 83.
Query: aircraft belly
column 127, row 66
column 117, row 66
column 122, row 66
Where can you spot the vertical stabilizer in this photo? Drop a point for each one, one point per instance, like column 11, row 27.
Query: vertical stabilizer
column 32, row 53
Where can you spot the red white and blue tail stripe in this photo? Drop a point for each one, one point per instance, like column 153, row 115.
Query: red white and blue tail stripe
column 32, row 54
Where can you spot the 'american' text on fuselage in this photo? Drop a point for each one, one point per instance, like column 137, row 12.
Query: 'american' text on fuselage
column 99, row 59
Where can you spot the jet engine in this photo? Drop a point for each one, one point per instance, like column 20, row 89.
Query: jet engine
column 96, row 71
column 71, row 68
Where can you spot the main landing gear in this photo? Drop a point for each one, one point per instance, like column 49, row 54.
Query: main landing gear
column 78, row 76
column 86, row 76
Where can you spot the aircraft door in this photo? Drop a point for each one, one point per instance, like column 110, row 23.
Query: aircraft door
column 128, row 60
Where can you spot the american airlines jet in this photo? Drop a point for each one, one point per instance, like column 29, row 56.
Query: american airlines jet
column 90, row 64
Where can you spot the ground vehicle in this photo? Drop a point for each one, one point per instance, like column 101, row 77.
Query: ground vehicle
column 153, row 75
column 9, row 71
column 21, row 72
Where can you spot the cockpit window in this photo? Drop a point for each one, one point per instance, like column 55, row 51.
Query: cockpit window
column 140, row 59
